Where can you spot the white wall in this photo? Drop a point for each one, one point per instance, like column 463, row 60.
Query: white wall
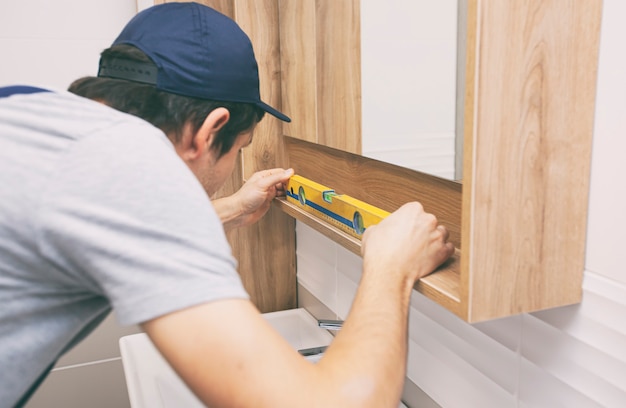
column 408, row 83
column 49, row 44
column 566, row 357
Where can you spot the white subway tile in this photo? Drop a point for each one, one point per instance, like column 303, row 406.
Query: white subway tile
column 453, row 384
column 596, row 322
column 467, row 349
column 579, row 366
column 319, row 278
column 312, row 244
column 316, row 258
column 346, row 290
column 97, row 385
column 607, row 288
column 101, row 344
column 349, row 264
column 506, row 331
column 539, row 389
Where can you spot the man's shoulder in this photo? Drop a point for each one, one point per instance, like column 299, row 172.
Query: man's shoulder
column 69, row 116
column 51, row 104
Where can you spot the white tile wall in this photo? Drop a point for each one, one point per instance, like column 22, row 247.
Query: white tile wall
column 316, row 268
column 348, row 276
column 478, row 369
column 572, row 356
column 98, row 385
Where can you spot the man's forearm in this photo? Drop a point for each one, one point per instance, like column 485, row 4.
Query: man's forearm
column 373, row 343
column 228, row 211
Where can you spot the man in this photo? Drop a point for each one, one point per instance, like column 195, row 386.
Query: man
column 105, row 204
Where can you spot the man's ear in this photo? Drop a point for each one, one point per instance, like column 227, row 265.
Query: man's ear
column 194, row 146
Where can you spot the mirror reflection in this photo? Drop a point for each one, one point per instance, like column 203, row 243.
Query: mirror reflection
column 409, row 60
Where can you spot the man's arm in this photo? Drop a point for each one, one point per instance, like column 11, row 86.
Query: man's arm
column 252, row 201
column 231, row 357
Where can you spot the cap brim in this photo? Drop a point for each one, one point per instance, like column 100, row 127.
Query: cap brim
column 273, row 111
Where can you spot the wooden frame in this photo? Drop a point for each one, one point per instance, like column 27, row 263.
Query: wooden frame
column 530, row 104
column 386, row 186
column 518, row 219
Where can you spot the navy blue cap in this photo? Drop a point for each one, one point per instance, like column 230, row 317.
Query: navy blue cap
column 197, row 51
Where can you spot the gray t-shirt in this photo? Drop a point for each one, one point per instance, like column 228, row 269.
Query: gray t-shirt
column 96, row 211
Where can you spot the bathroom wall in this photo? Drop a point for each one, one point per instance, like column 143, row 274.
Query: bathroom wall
column 408, row 83
column 572, row 356
column 49, row 44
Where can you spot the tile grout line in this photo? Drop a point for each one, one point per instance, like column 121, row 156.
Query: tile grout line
column 107, row 360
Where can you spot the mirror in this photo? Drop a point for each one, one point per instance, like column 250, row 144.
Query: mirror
column 411, row 82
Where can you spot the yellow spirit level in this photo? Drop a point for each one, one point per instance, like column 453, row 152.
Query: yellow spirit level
column 347, row 213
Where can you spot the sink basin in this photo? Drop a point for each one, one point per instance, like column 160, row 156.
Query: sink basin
column 152, row 383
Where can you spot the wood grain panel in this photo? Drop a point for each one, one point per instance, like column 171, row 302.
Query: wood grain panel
column 338, row 36
column 531, row 148
column 381, row 184
column 386, row 186
column 298, row 60
column 225, row 7
column 265, row 251
column 469, row 112
column 442, row 286
column 259, row 19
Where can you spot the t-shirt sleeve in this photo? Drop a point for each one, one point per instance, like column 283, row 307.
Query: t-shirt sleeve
column 123, row 217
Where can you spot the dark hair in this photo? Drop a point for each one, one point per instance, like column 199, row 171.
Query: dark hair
column 167, row 111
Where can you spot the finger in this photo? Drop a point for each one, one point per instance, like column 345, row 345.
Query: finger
column 261, row 174
column 272, row 177
column 444, row 232
column 449, row 250
column 280, row 189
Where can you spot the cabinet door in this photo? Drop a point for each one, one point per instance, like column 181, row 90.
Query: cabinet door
column 320, row 62
column 530, row 113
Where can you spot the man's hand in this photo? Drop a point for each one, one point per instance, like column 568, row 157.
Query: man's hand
column 253, row 199
column 365, row 365
column 409, row 241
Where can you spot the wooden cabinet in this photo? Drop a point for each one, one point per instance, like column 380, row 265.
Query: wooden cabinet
column 530, row 104
column 519, row 217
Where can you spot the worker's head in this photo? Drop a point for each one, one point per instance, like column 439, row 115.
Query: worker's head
column 175, row 63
